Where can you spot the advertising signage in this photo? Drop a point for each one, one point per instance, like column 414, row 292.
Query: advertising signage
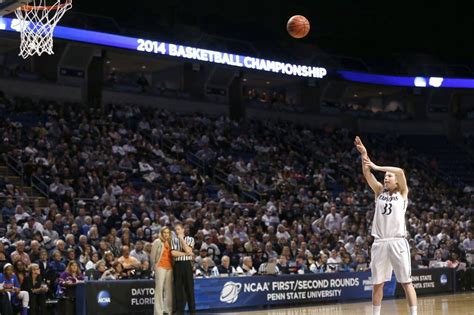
column 178, row 51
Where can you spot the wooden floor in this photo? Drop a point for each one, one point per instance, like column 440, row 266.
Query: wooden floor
column 455, row 304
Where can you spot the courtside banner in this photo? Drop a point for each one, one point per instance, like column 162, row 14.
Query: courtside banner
column 137, row 296
column 217, row 293
column 428, row 281
column 119, row 297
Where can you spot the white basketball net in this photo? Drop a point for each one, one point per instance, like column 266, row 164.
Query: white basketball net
column 37, row 23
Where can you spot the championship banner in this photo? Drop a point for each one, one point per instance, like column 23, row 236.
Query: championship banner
column 219, row 293
column 428, row 281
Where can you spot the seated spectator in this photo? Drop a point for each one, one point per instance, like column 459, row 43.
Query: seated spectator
column 31, row 227
column 109, row 259
column 282, row 232
column 468, row 243
column 21, row 215
column 11, row 287
column 463, row 274
column 96, row 272
column 269, row 267
column 320, row 265
column 20, row 271
column 334, row 260
column 114, row 273
column 202, row 255
column 438, row 261
column 128, row 262
column 224, row 269
column 269, row 250
column 49, row 231
column 360, row 263
column 3, row 256
column 20, row 254
column 345, row 265
column 57, row 263
column 204, row 269
column 453, row 262
column 139, row 253
column 283, row 265
column 210, row 248
column 8, row 210
column 92, row 262
column 5, row 305
column 100, row 269
column 37, row 288
column 43, row 262
column 69, row 279
column 144, row 272
column 246, row 269
column 258, row 259
column 34, row 250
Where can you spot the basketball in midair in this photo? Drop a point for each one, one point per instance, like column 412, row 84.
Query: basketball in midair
column 298, row 26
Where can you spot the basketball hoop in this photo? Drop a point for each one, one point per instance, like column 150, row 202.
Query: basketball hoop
column 37, row 23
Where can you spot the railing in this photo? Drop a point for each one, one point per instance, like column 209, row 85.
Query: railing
column 197, row 162
column 91, row 202
column 221, row 177
column 249, row 195
column 15, row 165
column 40, row 186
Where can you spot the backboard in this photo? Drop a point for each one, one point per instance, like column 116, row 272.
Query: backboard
column 9, row 6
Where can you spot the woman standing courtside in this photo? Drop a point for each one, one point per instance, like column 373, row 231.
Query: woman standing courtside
column 390, row 250
column 161, row 260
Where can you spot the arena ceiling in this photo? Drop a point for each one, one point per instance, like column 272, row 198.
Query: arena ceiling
column 348, row 27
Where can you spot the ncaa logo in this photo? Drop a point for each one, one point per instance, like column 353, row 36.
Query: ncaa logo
column 103, row 298
column 230, row 292
column 443, row 279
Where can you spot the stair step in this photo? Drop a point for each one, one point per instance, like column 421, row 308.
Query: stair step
column 15, row 180
column 30, row 191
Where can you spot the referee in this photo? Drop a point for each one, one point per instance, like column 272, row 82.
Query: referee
column 182, row 252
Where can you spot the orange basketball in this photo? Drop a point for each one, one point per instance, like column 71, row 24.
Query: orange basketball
column 298, row 26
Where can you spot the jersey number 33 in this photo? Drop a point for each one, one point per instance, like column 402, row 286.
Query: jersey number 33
column 387, row 209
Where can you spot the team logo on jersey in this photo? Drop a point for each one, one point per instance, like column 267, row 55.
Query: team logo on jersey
column 230, row 292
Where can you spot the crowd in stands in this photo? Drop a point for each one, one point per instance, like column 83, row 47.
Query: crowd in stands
column 138, row 82
column 271, row 99
column 292, row 199
column 394, row 110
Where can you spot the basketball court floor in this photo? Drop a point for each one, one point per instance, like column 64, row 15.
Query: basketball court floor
column 454, row 304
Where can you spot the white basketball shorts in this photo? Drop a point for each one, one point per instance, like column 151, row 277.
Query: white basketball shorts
column 390, row 254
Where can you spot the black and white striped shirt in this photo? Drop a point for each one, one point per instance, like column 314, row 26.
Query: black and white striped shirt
column 176, row 245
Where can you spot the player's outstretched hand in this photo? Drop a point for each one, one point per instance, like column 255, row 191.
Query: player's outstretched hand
column 360, row 146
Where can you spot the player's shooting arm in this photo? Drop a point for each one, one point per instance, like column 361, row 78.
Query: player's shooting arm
column 374, row 184
column 399, row 174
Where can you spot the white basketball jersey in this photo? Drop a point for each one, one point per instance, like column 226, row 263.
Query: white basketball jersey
column 389, row 216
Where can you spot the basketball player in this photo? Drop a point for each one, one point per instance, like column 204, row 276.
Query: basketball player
column 390, row 250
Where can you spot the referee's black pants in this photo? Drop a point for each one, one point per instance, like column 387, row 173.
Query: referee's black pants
column 183, row 287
